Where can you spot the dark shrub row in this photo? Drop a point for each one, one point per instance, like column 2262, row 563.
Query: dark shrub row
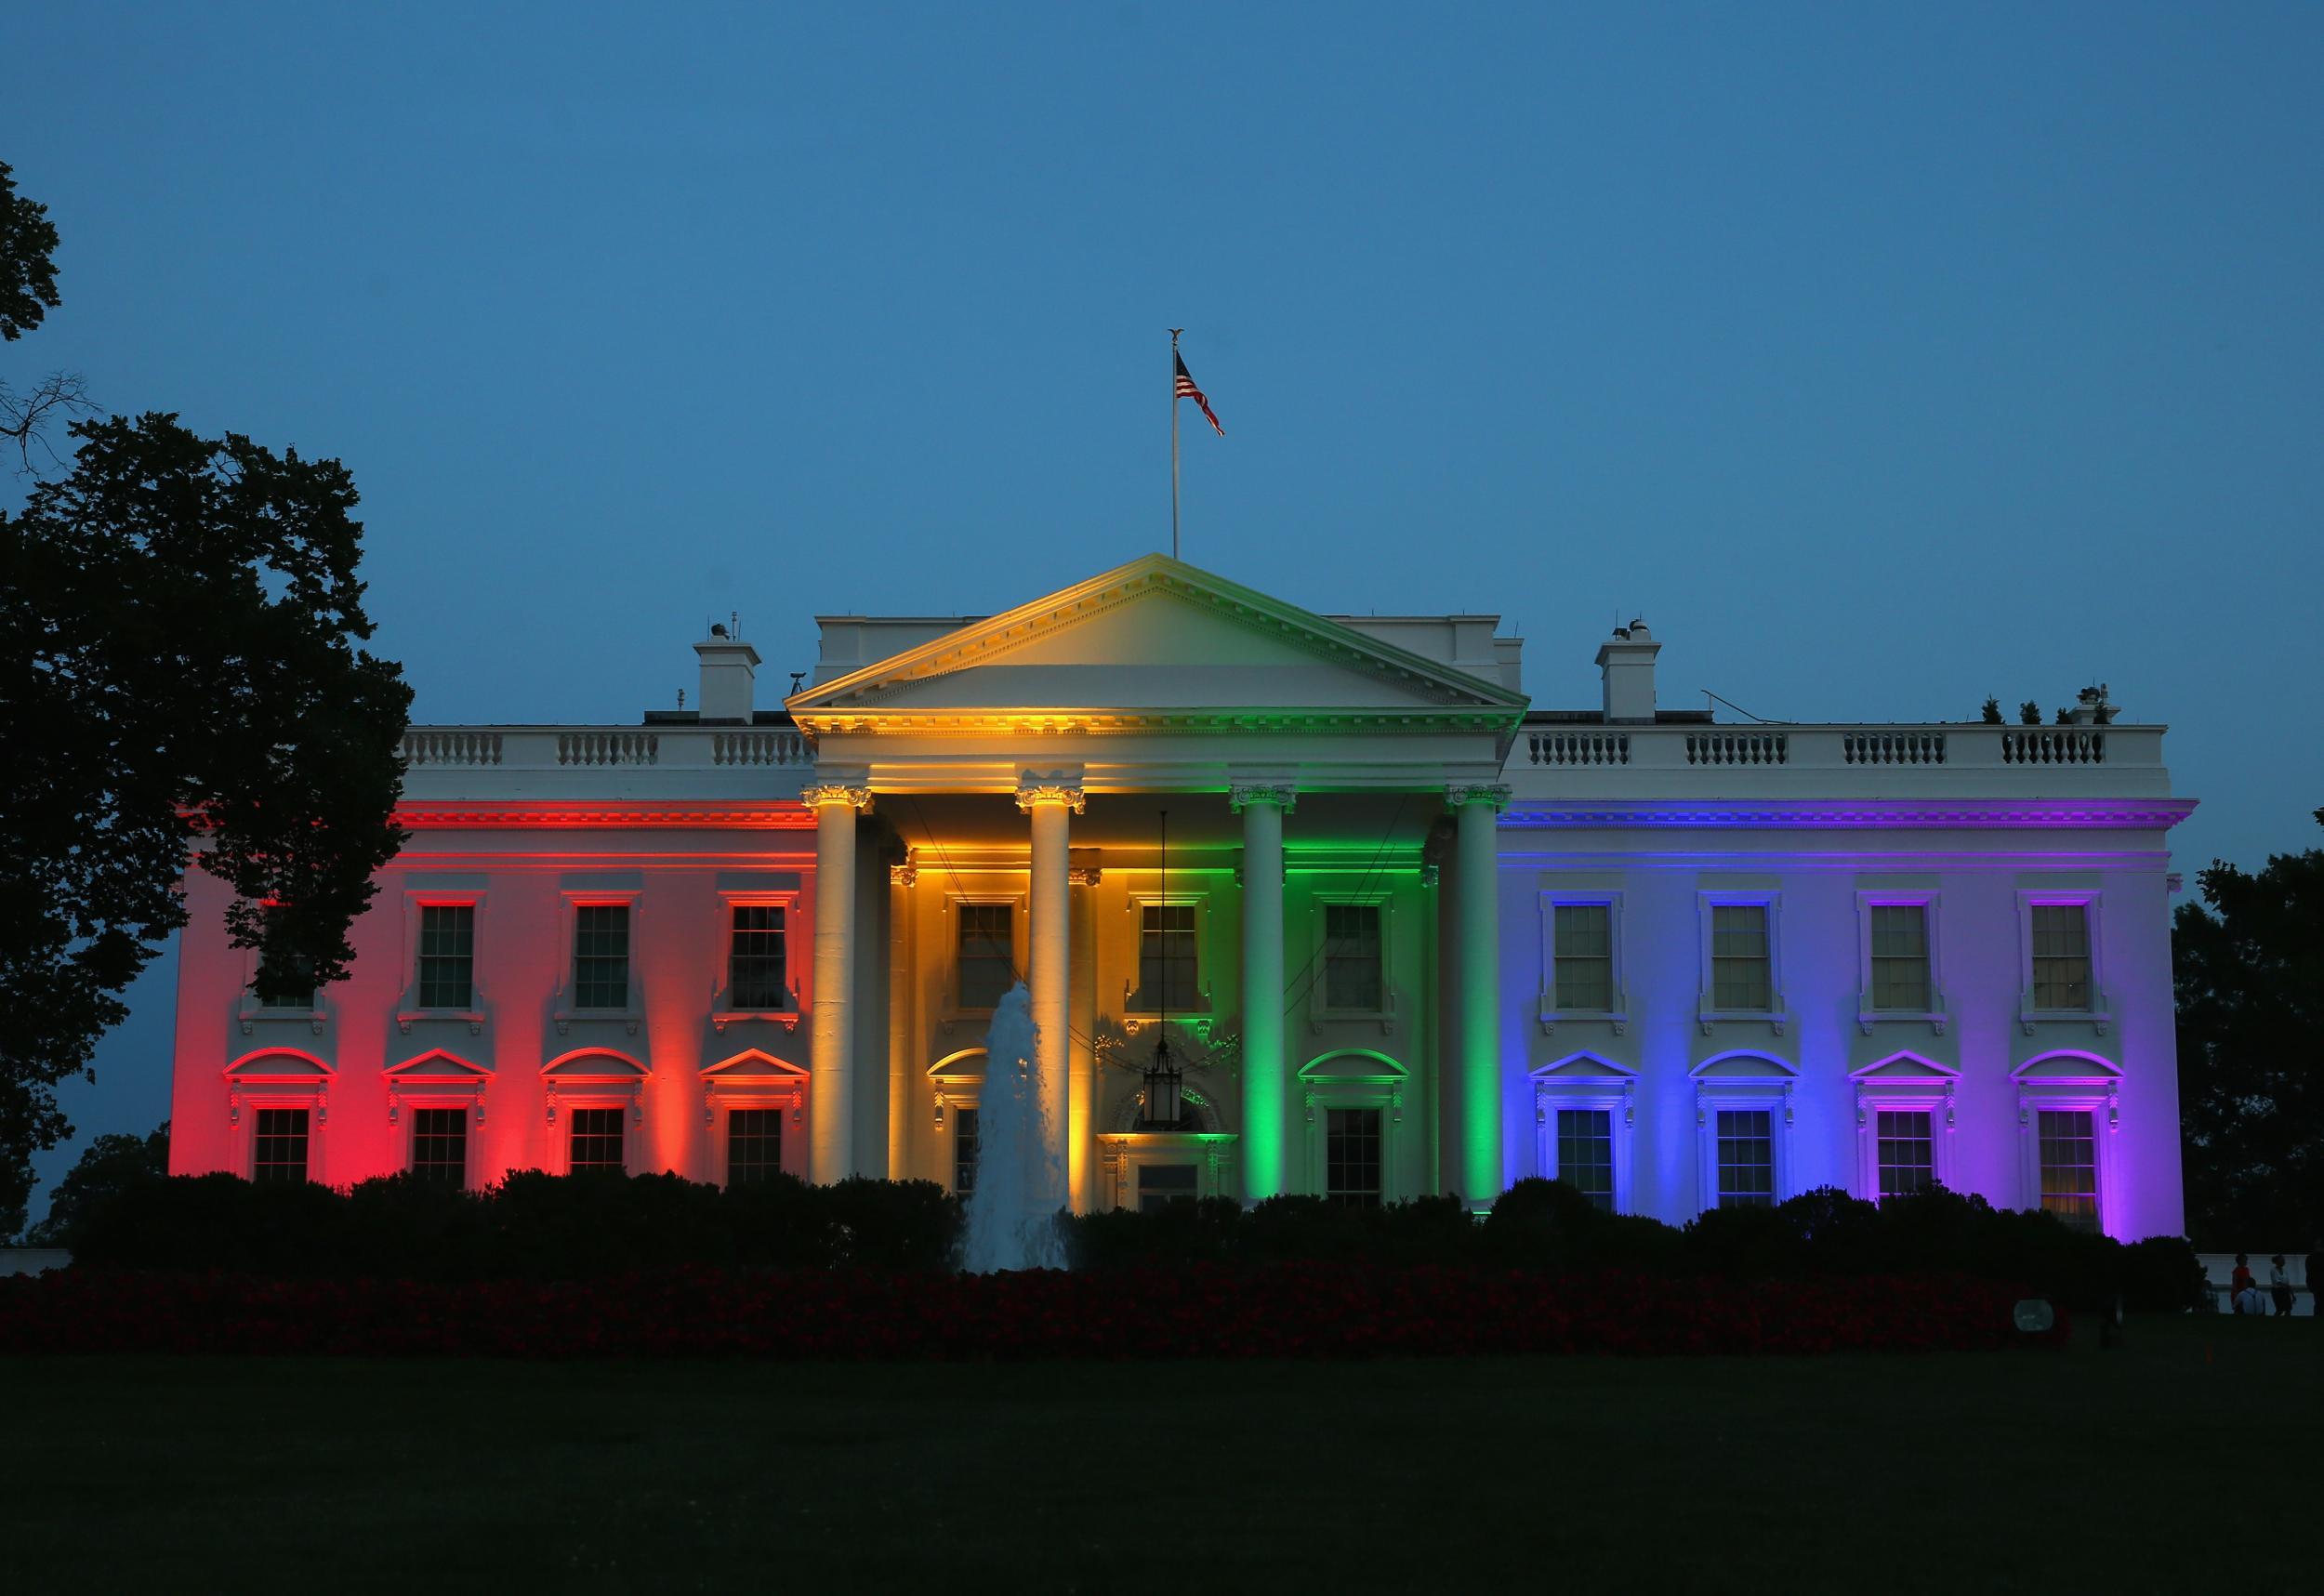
column 530, row 1226
column 542, row 1227
column 1296, row 1309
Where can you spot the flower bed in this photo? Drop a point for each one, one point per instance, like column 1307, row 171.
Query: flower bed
column 1287, row 1311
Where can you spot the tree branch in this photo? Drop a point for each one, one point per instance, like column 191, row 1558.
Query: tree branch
column 25, row 418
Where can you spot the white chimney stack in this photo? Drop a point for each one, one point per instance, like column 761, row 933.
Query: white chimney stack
column 729, row 665
column 1628, row 661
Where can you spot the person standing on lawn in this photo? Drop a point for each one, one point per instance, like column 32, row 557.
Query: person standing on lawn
column 2243, row 1295
column 2279, row 1285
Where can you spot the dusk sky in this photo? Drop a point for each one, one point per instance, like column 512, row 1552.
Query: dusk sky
column 1880, row 359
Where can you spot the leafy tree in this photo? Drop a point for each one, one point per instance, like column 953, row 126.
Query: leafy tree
column 28, row 292
column 1992, row 713
column 109, row 1164
column 181, row 679
column 2029, row 713
column 2249, row 972
column 27, row 275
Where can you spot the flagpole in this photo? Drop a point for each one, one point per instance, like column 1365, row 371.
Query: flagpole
column 1174, row 332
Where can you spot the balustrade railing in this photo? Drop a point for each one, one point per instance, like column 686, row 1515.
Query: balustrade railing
column 570, row 747
column 1579, row 748
column 1737, row 748
column 1881, row 753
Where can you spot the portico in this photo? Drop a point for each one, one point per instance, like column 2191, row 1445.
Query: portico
column 1020, row 769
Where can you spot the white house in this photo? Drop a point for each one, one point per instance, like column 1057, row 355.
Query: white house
column 1410, row 934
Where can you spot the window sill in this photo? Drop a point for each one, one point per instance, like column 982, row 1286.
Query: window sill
column 250, row 1015
column 1552, row 1018
column 1937, row 1020
column 472, row 1018
column 627, row 1019
column 2098, row 1020
column 1773, row 1019
column 786, row 1018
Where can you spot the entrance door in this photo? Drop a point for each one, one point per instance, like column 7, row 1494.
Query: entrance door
column 1160, row 1184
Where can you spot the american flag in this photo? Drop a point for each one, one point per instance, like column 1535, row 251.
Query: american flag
column 1186, row 389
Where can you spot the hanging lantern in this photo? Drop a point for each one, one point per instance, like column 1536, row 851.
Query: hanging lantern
column 1163, row 1084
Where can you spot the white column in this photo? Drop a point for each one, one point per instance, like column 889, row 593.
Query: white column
column 901, row 1029
column 1081, row 1099
column 1263, row 1064
column 1050, row 802
column 831, row 1057
column 1477, row 863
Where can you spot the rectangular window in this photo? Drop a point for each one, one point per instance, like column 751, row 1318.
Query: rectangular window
column 755, row 968
column 1159, row 1185
column 1747, row 1158
column 600, row 956
column 439, row 1146
column 1740, row 974
column 292, row 987
column 2069, row 1168
column 988, row 955
column 447, row 956
column 1907, row 1151
column 597, row 1140
column 279, row 1146
column 1585, row 1153
column 1900, row 956
column 754, row 1145
column 1166, row 957
column 1351, row 956
column 964, row 1150
column 1583, row 946
column 1352, row 1156
column 2061, row 956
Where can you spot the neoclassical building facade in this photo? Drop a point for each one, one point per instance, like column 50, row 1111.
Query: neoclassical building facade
column 1403, row 932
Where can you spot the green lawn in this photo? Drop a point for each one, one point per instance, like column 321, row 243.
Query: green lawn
column 2169, row 1463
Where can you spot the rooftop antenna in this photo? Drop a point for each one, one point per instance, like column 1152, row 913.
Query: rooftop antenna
column 734, row 624
column 796, row 676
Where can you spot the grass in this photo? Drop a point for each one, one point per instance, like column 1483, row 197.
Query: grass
column 2180, row 1459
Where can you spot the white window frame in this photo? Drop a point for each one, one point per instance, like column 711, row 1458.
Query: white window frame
column 1617, row 1015
column 1938, row 1014
column 250, row 1087
column 956, row 1081
column 1136, row 905
column 1319, row 1006
column 1906, row 1083
column 722, row 1010
column 1122, row 1153
column 1019, row 949
column 2099, row 1016
column 756, row 1078
column 408, row 1010
column 250, row 1012
column 1587, row 1081
column 1775, row 1017
column 1748, row 1080
column 571, row 901
column 412, row 1085
column 2070, row 1082
column 565, row 1087
column 1354, row 1077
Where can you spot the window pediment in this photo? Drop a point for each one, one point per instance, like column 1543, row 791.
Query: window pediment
column 1352, row 1064
column 280, row 1065
column 755, row 1067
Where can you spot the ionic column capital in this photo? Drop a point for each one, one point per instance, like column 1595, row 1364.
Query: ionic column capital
column 1457, row 793
column 1031, row 791
column 822, row 793
column 1283, row 795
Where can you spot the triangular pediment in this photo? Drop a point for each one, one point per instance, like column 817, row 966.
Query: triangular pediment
column 1904, row 1068
column 1155, row 638
column 754, row 1065
column 437, row 1065
column 1584, row 1067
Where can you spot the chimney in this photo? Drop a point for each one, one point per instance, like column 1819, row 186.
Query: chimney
column 2090, row 708
column 1628, row 660
column 728, row 664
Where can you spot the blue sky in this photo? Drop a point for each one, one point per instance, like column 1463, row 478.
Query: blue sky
column 1881, row 357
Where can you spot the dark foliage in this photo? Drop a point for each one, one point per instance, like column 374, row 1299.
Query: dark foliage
column 2249, row 976
column 551, row 1227
column 2029, row 713
column 28, row 271
column 107, row 1165
column 1991, row 715
column 180, row 673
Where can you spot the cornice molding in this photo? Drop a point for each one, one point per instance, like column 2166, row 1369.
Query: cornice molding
column 610, row 814
column 1859, row 813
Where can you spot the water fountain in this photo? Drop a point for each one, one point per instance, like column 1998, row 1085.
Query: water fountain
column 1020, row 1179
